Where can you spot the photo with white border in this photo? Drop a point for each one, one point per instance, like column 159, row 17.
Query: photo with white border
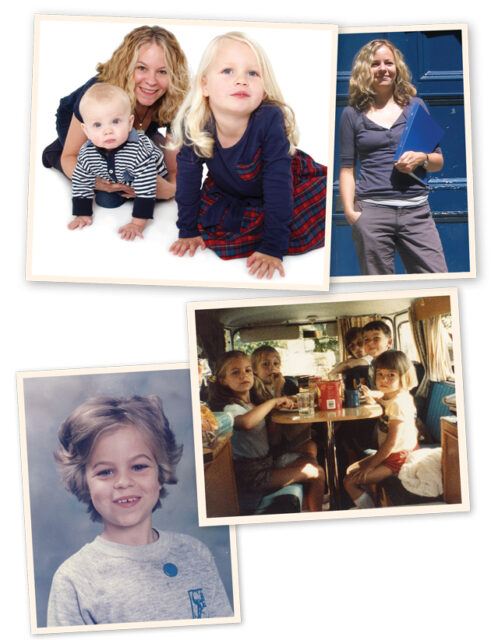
column 58, row 526
column 306, row 336
column 96, row 253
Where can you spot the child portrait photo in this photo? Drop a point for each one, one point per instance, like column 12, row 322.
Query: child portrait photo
column 110, row 504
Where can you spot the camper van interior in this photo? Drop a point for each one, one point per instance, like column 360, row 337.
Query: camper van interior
column 321, row 354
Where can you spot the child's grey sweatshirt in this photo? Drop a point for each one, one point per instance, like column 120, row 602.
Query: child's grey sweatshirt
column 174, row 578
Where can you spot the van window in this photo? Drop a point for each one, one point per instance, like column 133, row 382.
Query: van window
column 447, row 323
column 406, row 341
column 313, row 353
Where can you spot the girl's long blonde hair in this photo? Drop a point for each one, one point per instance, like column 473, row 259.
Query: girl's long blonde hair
column 261, row 391
column 221, row 394
column 361, row 82
column 119, row 69
column 192, row 123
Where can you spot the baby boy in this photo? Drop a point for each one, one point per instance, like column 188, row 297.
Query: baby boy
column 114, row 153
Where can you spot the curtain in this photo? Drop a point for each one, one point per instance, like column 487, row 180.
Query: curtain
column 430, row 338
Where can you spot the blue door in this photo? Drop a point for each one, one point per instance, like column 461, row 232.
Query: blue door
column 435, row 61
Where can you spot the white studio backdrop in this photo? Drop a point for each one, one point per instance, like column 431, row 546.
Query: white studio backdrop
column 349, row 579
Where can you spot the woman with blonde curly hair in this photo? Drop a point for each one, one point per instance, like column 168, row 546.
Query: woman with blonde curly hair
column 152, row 68
column 387, row 206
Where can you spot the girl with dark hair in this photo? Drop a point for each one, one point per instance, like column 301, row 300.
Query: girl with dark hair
column 397, row 434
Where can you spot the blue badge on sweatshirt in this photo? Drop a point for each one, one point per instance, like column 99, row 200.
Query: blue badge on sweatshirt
column 170, row 569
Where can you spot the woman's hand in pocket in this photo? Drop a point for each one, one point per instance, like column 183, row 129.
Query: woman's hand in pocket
column 352, row 216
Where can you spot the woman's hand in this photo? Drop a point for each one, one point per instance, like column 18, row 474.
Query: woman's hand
column 183, row 245
column 409, row 161
column 261, row 264
column 166, row 189
column 79, row 222
column 352, row 216
column 347, row 188
column 133, row 229
column 112, row 187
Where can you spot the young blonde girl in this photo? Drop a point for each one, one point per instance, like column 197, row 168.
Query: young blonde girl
column 255, row 467
column 270, row 382
column 397, row 433
column 263, row 198
column 266, row 364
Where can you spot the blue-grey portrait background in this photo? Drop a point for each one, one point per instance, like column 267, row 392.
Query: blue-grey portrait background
column 60, row 524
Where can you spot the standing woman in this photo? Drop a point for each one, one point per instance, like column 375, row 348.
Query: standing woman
column 152, row 68
column 387, row 208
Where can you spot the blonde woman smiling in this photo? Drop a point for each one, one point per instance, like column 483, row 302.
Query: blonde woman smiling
column 386, row 207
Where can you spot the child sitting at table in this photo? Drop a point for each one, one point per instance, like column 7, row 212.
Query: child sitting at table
column 116, row 455
column 396, row 430
column 270, row 382
column 266, row 364
column 114, row 152
column 377, row 338
column 355, row 346
column 256, row 470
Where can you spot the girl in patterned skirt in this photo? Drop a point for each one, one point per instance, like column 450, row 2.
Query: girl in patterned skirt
column 262, row 197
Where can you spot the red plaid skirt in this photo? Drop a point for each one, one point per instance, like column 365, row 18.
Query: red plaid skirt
column 307, row 225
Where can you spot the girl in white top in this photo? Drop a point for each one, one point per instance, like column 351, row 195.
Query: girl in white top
column 397, row 433
column 255, row 468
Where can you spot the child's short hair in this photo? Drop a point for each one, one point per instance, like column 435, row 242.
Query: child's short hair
column 258, row 353
column 378, row 325
column 102, row 93
column 351, row 336
column 99, row 416
column 398, row 361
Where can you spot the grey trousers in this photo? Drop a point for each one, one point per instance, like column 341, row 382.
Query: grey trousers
column 381, row 230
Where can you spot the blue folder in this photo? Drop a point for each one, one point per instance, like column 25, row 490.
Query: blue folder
column 421, row 132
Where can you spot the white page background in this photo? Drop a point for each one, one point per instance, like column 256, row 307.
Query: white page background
column 362, row 578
